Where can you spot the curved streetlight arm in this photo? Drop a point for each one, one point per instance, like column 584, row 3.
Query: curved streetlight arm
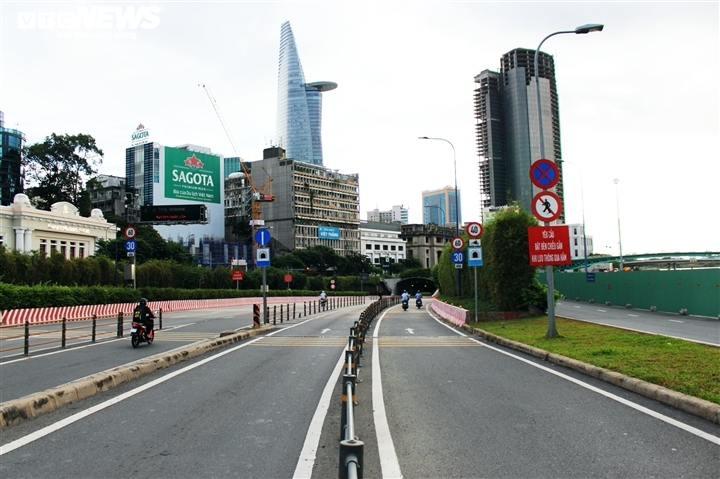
column 582, row 29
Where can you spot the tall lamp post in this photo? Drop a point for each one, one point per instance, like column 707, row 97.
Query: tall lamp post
column 457, row 207
column 592, row 27
column 617, row 200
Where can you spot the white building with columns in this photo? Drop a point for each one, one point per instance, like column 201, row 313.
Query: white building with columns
column 25, row 228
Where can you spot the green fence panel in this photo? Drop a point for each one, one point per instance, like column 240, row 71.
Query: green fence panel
column 697, row 290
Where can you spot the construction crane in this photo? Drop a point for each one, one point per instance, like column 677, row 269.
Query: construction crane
column 259, row 195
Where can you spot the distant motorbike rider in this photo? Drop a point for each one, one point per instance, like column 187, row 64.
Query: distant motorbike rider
column 405, row 297
column 418, row 295
column 143, row 314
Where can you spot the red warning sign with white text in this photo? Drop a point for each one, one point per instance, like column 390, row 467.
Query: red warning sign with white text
column 549, row 245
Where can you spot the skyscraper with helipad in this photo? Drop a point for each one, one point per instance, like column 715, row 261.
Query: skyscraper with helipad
column 299, row 105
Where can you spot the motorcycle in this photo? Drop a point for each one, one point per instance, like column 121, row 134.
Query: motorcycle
column 405, row 305
column 138, row 335
column 418, row 303
column 323, row 303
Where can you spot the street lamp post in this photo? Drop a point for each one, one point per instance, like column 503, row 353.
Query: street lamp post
column 457, row 207
column 552, row 331
column 617, row 201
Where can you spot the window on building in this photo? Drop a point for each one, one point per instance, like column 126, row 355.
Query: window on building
column 385, row 247
column 377, row 260
column 368, row 246
column 574, row 229
column 72, row 250
column 377, row 247
column 392, row 248
column 81, row 250
column 400, row 248
column 53, row 245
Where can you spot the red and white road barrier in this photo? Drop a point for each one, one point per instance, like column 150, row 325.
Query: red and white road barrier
column 15, row 317
column 451, row 313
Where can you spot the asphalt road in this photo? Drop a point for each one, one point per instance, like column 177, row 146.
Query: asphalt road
column 692, row 328
column 431, row 403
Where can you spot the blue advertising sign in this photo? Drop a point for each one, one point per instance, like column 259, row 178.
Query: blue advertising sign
column 130, row 245
column 262, row 236
column 328, row 232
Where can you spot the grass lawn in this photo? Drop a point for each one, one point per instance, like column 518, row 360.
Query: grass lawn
column 683, row 366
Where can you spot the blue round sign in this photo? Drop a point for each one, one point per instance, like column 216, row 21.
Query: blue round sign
column 262, row 236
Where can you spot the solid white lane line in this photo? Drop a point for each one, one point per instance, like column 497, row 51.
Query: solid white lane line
column 634, row 315
column 388, row 457
column 649, row 412
column 675, row 321
column 306, row 461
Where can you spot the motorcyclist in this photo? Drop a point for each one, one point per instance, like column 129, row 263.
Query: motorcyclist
column 143, row 314
column 323, row 299
column 418, row 295
column 405, row 296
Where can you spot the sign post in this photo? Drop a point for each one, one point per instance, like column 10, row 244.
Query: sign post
column 546, row 207
column 262, row 237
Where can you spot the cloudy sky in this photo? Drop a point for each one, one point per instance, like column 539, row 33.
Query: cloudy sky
column 639, row 102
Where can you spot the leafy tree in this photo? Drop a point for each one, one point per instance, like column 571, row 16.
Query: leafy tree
column 57, row 168
column 505, row 248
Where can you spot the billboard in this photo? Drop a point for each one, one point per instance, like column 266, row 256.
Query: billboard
column 192, row 176
column 328, row 232
column 173, row 214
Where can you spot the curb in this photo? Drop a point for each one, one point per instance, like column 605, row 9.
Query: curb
column 697, row 407
column 33, row 405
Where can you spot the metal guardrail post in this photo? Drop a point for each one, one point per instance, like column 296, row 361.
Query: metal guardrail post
column 351, row 459
column 281, row 314
column 304, row 308
column 94, row 326
column 64, row 332
column 160, row 317
column 27, row 338
column 120, row 324
column 293, row 311
column 274, row 314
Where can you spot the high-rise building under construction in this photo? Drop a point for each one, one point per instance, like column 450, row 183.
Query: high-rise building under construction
column 506, row 127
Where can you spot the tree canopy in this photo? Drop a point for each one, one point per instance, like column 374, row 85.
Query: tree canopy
column 57, row 169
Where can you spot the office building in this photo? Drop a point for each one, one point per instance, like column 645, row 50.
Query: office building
column 107, row 193
column 507, row 127
column 439, row 206
column 426, row 242
column 232, row 165
column 313, row 205
column 299, row 105
column 380, row 242
column 11, row 178
column 578, row 242
column 398, row 214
